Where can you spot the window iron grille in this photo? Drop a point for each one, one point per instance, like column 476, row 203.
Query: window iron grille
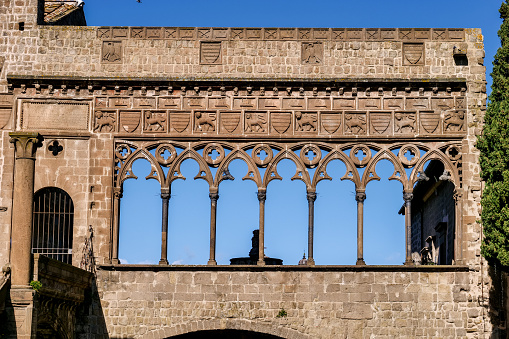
column 52, row 228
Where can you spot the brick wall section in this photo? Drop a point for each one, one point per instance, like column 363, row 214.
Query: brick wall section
column 319, row 304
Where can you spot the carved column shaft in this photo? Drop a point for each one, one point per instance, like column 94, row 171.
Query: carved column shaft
column 311, row 196
column 22, row 206
column 458, row 246
column 165, row 197
column 262, row 195
column 117, row 195
column 408, row 196
column 214, row 196
column 360, row 196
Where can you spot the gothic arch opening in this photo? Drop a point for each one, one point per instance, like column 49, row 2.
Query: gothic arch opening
column 336, row 218
column 52, row 226
column 139, row 229
column 434, row 217
column 226, row 334
column 384, row 228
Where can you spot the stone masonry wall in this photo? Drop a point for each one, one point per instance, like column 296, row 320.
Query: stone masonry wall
column 333, row 303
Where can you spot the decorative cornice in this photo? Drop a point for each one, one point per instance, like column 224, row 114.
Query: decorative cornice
column 282, row 34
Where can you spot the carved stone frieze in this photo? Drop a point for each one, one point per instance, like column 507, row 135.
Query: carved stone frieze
column 307, row 34
column 285, row 111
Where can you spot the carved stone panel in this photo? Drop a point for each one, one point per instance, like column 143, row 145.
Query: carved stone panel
column 119, row 102
column 369, row 103
column 430, row 122
column 255, row 122
column 130, row 121
column 312, row 53
column 195, row 103
column 319, row 104
column 306, row 122
column 231, row 122
column 180, row 122
column 330, row 122
column 417, row 103
column 405, row 122
column 355, row 123
column 281, row 122
column 105, row 121
column 269, row 103
column 442, row 104
column 101, row 102
column 144, row 102
column 155, row 121
column 380, row 123
column 454, row 121
column 344, row 103
column 413, row 53
column 394, row 103
column 67, row 115
column 169, row 102
column 205, row 121
column 461, row 103
column 294, row 103
column 210, row 53
column 111, row 52
column 219, row 103
column 244, row 103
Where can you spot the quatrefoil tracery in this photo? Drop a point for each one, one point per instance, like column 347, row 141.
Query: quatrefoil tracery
column 268, row 155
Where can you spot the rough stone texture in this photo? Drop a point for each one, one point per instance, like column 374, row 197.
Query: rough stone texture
column 82, row 64
column 330, row 303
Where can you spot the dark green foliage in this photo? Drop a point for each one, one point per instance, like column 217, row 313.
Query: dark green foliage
column 494, row 157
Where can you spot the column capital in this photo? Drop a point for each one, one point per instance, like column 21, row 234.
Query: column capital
column 360, row 196
column 213, row 196
column 26, row 144
column 311, row 196
column 408, row 196
column 262, row 195
column 117, row 192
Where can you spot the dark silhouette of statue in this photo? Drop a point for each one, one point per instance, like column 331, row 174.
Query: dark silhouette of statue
column 253, row 254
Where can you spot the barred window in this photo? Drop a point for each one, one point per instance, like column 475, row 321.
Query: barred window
column 52, row 228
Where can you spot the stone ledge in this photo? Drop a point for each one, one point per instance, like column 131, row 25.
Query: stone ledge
column 289, row 268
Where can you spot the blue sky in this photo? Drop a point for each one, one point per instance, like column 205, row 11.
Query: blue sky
column 286, row 206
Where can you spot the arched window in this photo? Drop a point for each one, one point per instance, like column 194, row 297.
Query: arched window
column 53, row 224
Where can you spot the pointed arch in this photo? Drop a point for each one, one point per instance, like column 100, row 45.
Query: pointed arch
column 272, row 174
column 126, row 168
column 370, row 172
column 435, row 155
column 242, row 155
column 321, row 170
column 203, row 173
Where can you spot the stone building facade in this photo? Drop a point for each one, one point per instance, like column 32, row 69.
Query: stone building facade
column 78, row 105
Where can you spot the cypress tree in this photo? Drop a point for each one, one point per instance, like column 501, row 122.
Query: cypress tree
column 494, row 155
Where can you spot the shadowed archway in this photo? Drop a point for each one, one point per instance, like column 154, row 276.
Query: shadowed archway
column 226, row 334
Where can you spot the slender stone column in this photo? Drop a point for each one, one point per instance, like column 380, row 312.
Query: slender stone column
column 22, row 205
column 408, row 196
column 360, row 196
column 311, row 195
column 262, row 195
column 117, row 195
column 165, row 197
column 458, row 222
column 213, row 195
